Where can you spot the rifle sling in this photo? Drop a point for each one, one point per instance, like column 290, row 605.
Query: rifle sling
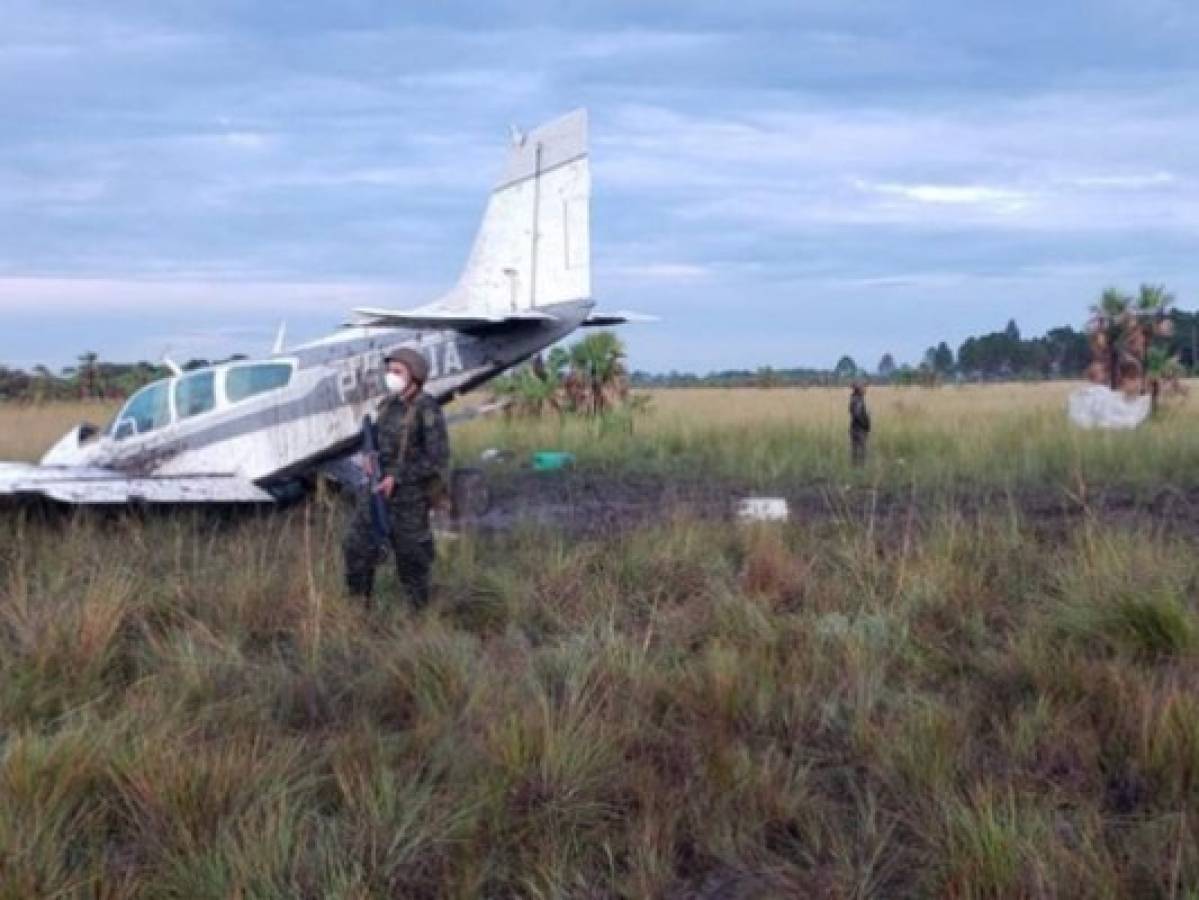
column 409, row 415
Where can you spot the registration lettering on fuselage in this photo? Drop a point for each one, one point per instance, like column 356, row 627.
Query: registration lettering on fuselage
column 360, row 377
column 447, row 362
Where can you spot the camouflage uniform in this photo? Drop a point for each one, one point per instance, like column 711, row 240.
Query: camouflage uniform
column 414, row 449
column 859, row 427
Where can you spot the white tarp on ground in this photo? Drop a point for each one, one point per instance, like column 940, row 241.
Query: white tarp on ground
column 1096, row 406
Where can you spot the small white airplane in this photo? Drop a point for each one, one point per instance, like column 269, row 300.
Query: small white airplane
column 256, row 431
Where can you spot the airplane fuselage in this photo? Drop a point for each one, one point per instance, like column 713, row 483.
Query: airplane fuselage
column 270, row 421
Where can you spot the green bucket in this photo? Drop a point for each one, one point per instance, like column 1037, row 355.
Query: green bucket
column 551, row 460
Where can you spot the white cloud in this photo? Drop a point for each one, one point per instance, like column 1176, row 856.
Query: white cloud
column 906, row 280
column 1015, row 166
column 1003, row 200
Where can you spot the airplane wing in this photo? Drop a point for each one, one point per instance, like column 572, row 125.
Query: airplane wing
column 93, row 485
column 428, row 318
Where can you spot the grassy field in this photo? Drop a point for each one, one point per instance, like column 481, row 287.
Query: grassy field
column 972, row 435
column 1008, row 435
column 963, row 706
column 29, row 430
column 1002, row 435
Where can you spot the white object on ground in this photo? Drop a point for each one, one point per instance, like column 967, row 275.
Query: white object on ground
column 762, row 509
column 1096, row 406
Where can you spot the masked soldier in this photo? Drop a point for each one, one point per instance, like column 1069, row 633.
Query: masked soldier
column 859, row 424
column 414, row 452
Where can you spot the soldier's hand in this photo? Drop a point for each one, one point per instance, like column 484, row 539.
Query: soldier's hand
column 386, row 486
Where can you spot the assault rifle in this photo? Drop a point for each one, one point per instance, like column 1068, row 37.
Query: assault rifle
column 380, row 520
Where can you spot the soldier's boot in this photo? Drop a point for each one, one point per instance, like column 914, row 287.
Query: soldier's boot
column 360, row 585
column 360, row 562
column 414, row 569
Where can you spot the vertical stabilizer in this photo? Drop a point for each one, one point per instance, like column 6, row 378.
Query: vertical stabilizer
column 534, row 245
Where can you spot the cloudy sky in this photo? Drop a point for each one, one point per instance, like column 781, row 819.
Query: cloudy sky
column 781, row 182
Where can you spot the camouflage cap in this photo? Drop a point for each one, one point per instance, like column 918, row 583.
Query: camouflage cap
column 414, row 360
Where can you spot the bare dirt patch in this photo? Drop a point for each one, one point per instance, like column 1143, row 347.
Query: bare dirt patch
column 588, row 502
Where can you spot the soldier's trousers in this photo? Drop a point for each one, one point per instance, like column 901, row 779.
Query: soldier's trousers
column 411, row 544
column 857, row 447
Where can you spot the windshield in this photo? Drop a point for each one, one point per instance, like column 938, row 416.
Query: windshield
column 147, row 410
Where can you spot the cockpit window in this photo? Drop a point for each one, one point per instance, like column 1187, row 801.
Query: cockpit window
column 194, row 394
column 147, row 410
column 246, row 381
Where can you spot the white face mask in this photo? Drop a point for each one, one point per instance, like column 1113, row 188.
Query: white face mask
column 396, row 384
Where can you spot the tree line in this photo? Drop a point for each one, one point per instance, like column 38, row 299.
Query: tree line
column 89, row 379
column 1062, row 352
column 587, row 374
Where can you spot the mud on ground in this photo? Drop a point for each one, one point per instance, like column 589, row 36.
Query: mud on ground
column 586, row 503
column 593, row 503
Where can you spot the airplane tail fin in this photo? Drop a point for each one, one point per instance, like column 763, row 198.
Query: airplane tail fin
column 533, row 247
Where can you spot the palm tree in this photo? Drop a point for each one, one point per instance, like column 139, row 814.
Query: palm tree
column 1166, row 373
column 587, row 378
column 597, row 362
column 534, row 393
column 89, row 376
column 1122, row 330
column 537, row 387
column 558, row 360
column 1113, row 303
column 1154, row 299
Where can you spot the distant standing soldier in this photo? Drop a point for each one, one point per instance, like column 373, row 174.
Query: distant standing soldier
column 414, row 453
column 859, row 424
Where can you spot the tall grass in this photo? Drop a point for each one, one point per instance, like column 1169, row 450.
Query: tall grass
column 29, row 430
column 956, row 437
column 951, row 704
column 965, row 437
column 189, row 707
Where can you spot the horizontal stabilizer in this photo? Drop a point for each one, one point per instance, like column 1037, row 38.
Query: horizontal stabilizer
column 604, row 320
column 93, row 485
column 439, row 318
